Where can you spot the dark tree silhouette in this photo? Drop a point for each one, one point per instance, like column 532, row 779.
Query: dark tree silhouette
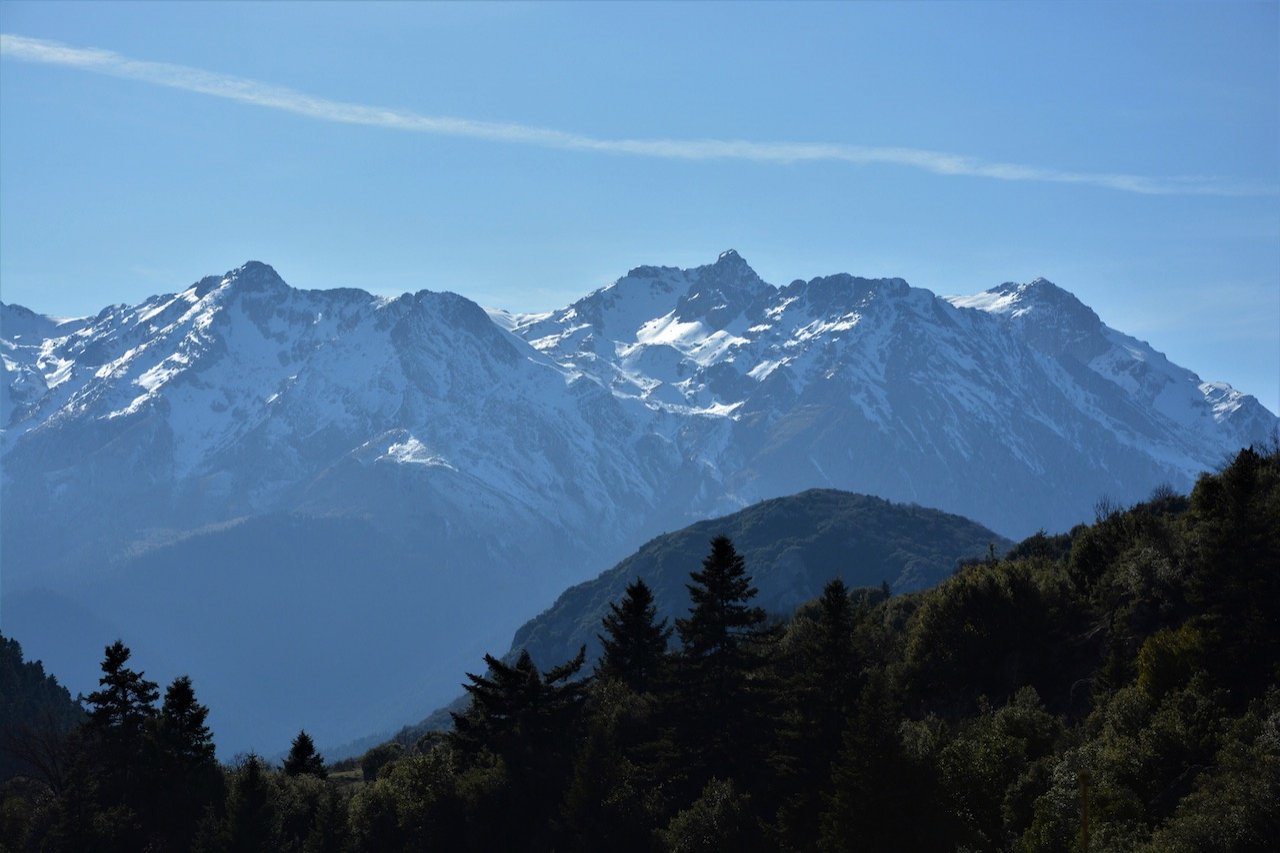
column 304, row 759
column 726, row 732
column 822, row 694
column 187, row 779
column 517, row 712
column 180, row 730
column 530, row 721
column 721, row 618
column 108, row 799
column 250, row 823
column 635, row 643
column 120, row 710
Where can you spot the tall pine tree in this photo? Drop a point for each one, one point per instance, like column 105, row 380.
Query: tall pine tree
column 721, row 620
column 725, row 729
column 303, row 759
column 635, row 643
column 180, row 730
column 113, row 769
column 120, row 710
column 189, row 779
column 822, row 694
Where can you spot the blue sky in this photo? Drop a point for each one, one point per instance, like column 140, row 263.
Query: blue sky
column 1128, row 152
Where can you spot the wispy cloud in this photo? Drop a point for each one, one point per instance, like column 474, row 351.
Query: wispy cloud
column 289, row 100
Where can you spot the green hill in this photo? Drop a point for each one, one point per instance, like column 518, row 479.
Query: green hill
column 793, row 546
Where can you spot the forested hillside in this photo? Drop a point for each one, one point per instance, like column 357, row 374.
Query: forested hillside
column 1114, row 688
column 35, row 712
column 793, row 546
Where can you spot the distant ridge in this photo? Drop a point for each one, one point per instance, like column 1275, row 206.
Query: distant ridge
column 792, row 546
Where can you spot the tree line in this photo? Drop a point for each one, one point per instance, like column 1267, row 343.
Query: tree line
column 1116, row 687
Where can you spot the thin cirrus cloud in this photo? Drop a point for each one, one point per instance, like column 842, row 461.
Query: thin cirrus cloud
column 289, row 100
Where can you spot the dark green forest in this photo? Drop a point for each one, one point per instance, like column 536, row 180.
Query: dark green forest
column 1112, row 688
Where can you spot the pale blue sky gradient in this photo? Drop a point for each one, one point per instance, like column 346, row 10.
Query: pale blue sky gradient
column 1164, row 119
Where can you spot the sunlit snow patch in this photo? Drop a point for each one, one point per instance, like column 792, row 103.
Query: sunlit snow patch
column 413, row 452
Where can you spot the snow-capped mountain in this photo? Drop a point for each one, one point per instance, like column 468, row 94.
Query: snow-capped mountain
column 240, row 396
column 1017, row 407
column 487, row 460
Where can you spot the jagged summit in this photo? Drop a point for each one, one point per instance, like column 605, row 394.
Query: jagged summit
column 254, row 277
column 731, row 270
column 730, row 259
column 1039, row 297
column 253, row 270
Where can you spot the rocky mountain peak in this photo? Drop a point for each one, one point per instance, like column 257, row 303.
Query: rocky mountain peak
column 730, row 267
column 254, row 277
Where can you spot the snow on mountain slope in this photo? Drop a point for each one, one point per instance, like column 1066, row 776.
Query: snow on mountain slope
column 475, row 460
column 494, row 458
column 1204, row 414
column 248, row 388
column 1017, row 406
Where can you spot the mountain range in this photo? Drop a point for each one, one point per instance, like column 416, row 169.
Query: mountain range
column 285, row 490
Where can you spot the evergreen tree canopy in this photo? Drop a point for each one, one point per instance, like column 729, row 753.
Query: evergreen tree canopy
column 186, row 779
column 119, row 711
column 634, row 642
column 251, row 820
column 721, row 617
column 720, row 689
column 822, row 695
column 304, row 759
column 180, row 730
column 113, row 774
column 517, row 712
column 832, row 660
column 36, row 712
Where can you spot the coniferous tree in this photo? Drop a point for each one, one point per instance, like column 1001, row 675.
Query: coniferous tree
column 120, row 710
column 304, row 759
column 529, row 720
column 721, row 620
column 865, row 794
column 517, row 712
column 180, row 730
column 635, row 643
column 114, row 774
column 189, row 781
column 251, row 821
column 617, row 795
column 881, row 798
column 821, row 695
column 725, row 726
column 36, row 717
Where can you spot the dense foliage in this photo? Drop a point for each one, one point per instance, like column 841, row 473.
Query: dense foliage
column 1116, row 688
column 36, row 712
